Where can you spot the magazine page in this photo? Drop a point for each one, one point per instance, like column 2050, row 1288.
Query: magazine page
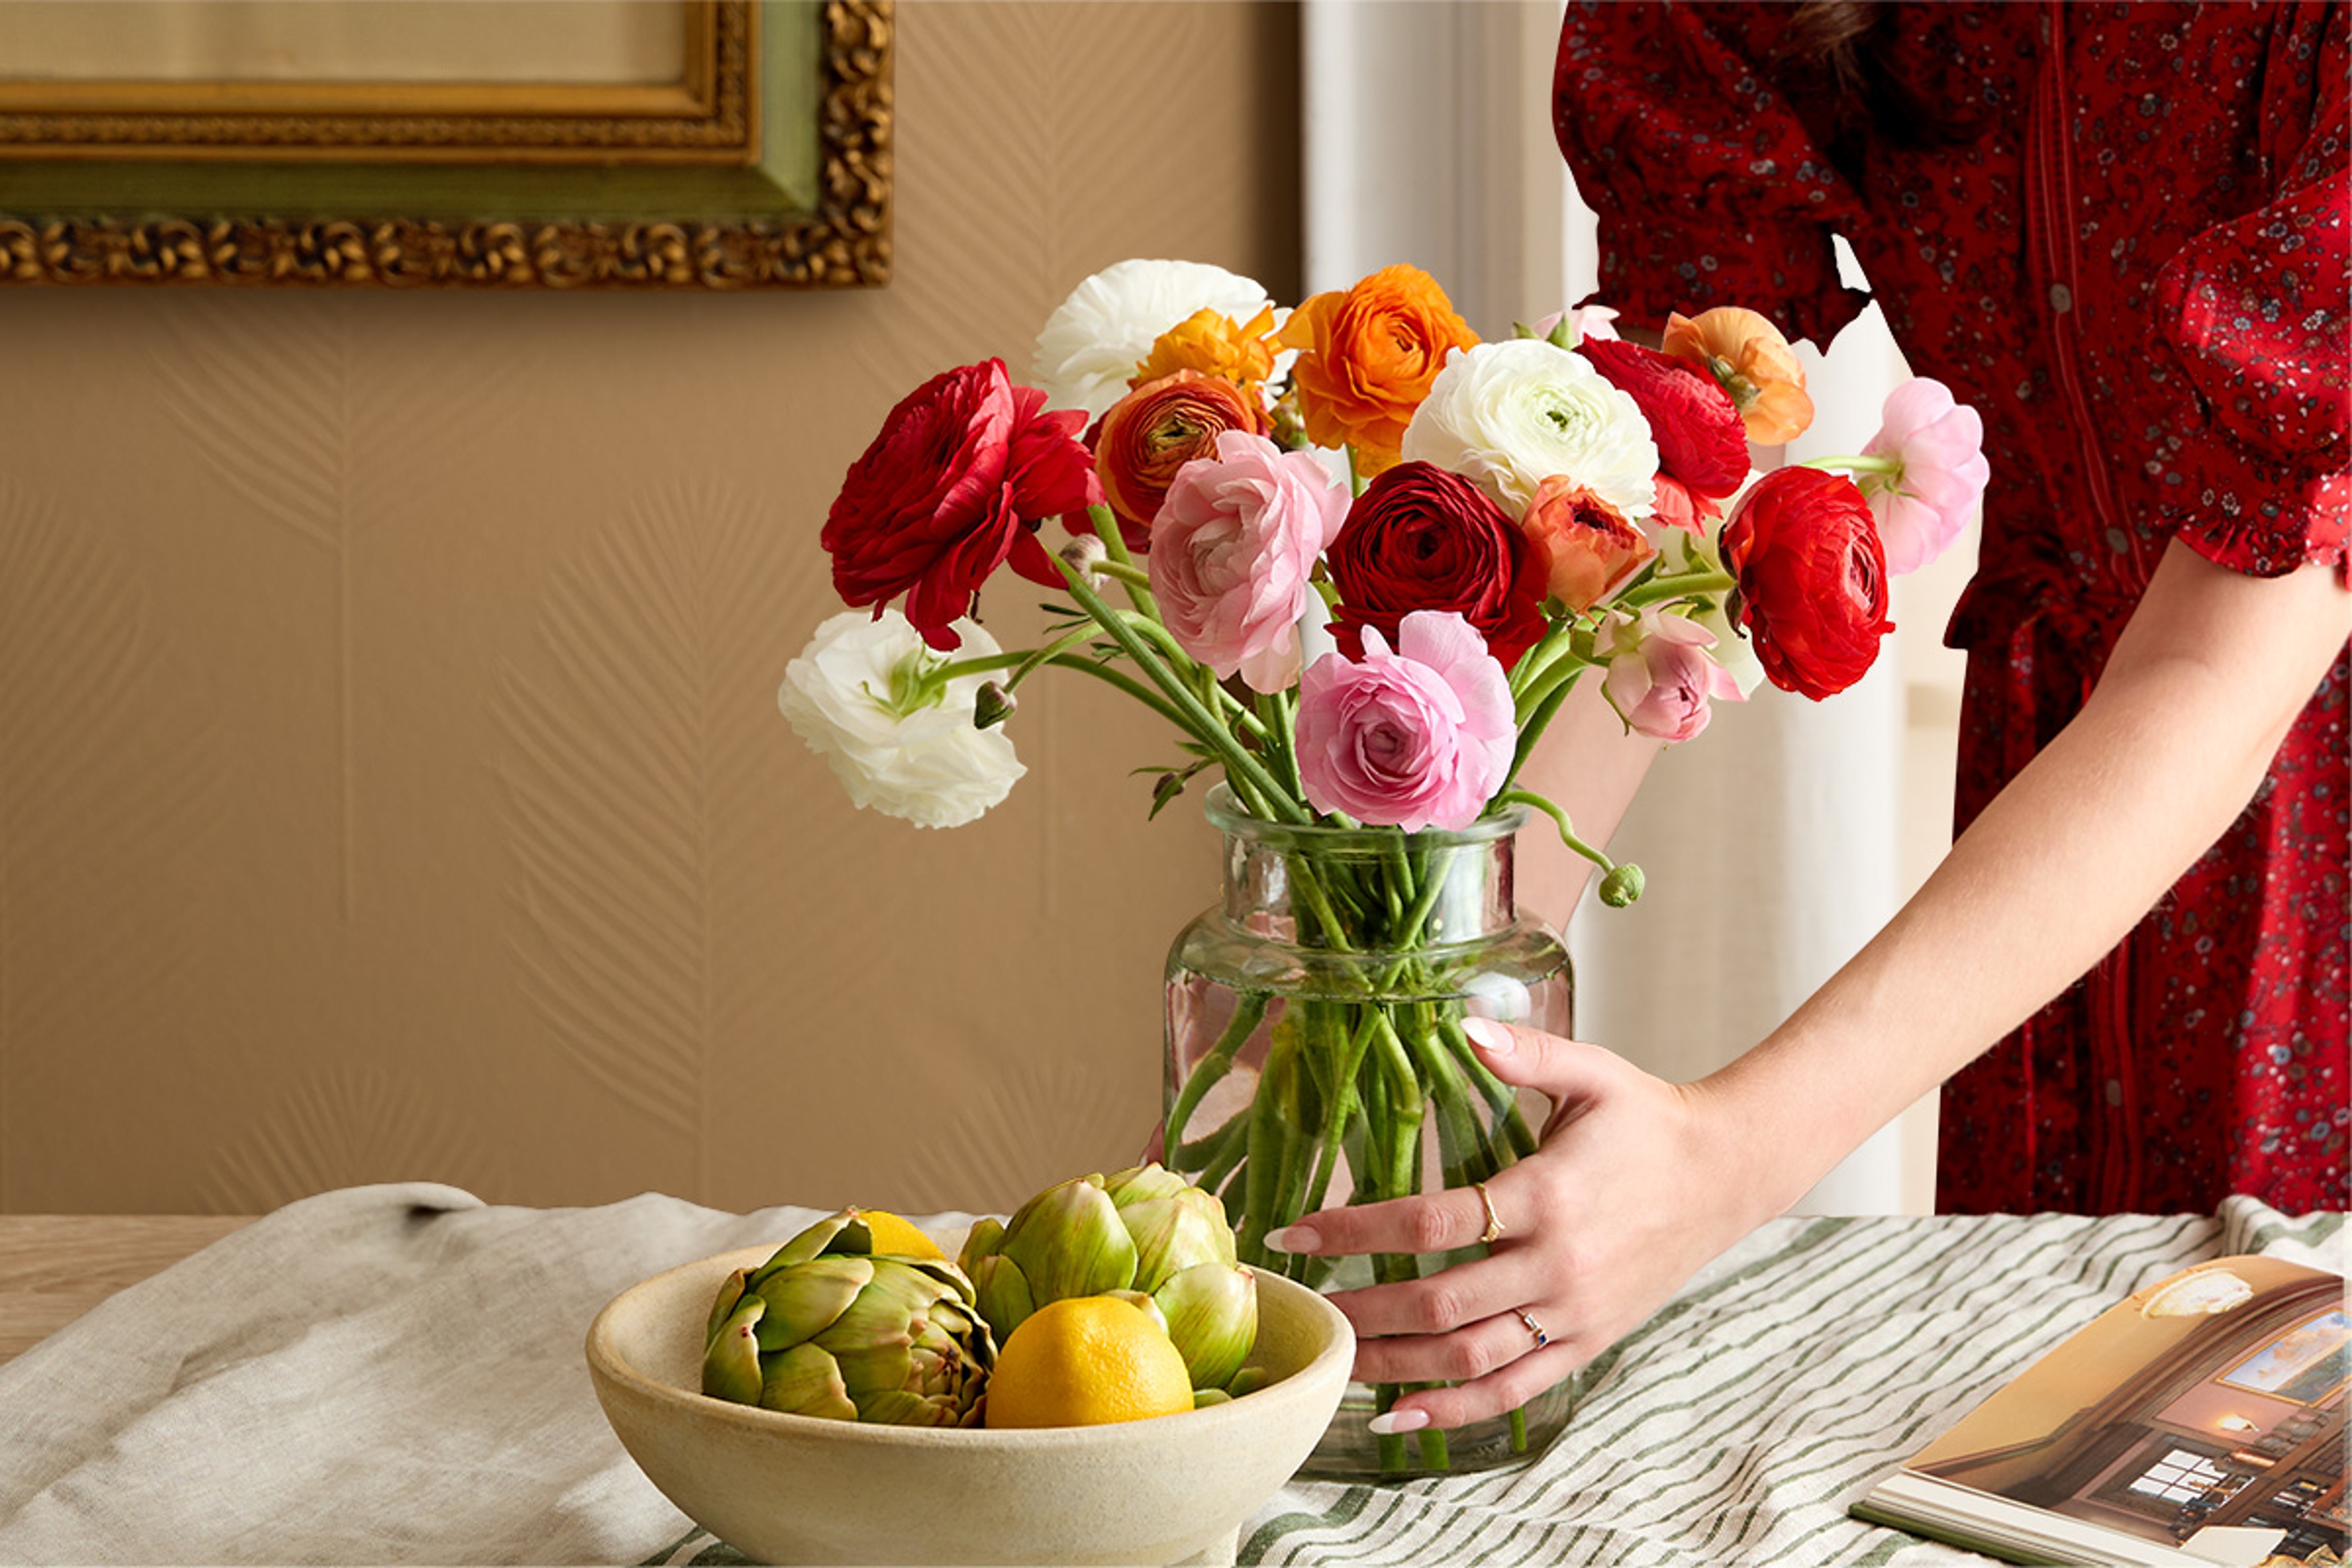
column 2203, row 1415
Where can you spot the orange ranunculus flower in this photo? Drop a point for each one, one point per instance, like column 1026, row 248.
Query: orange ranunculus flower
column 1753, row 363
column 1588, row 549
column 1368, row 357
column 1214, row 344
column 1157, row 429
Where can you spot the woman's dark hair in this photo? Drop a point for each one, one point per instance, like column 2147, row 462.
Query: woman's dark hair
column 1834, row 34
column 1846, row 44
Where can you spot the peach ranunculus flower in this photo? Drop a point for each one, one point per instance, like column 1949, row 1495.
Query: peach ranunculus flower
column 1588, row 548
column 1752, row 362
column 1214, row 343
column 1154, row 431
column 1367, row 358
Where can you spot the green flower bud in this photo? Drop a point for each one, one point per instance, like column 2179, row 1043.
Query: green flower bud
column 992, row 705
column 1621, row 886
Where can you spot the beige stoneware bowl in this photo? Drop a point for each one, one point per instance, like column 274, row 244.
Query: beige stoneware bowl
column 797, row 1489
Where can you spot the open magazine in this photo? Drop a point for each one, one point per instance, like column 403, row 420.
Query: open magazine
column 2200, row 1420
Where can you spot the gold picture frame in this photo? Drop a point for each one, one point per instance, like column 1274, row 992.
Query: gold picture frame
column 764, row 163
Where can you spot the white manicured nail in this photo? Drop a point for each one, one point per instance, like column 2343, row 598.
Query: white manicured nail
column 1488, row 1036
column 1389, row 1423
column 1294, row 1239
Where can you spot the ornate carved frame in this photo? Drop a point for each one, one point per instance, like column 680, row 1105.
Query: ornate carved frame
column 758, row 234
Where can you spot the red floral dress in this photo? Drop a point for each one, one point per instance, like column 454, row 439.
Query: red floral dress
column 2129, row 254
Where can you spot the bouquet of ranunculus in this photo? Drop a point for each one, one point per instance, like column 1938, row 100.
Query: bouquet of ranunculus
column 1358, row 559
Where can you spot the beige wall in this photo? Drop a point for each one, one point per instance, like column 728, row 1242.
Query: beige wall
column 390, row 783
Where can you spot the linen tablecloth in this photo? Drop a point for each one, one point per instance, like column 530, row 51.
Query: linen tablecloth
column 395, row 1374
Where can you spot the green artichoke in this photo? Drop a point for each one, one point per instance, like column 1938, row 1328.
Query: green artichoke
column 827, row 1327
column 1145, row 1231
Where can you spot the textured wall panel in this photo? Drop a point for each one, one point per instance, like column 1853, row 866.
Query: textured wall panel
column 391, row 783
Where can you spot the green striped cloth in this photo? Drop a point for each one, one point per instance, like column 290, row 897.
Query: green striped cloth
column 1738, row 1424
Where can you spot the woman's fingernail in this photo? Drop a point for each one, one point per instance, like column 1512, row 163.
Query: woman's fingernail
column 1488, row 1036
column 1294, row 1239
column 1388, row 1424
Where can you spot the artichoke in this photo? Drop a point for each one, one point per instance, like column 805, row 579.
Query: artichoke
column 827, row 1327
column 1145, row 1232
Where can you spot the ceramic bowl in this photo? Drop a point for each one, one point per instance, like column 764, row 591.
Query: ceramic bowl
column 795, row 1488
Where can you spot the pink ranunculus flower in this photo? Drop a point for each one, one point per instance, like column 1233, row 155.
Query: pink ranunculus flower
column 1939, row 474
column 1661, row 679
column 1592, row 321
column 1231, row 548
column 1415, row 739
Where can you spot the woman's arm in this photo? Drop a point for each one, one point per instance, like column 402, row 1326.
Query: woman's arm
column 1639, row 1182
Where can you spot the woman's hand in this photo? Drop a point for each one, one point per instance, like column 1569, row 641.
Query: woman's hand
column 1637, row 1185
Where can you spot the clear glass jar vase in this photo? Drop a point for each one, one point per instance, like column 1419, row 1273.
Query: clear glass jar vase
column 1315, row 1056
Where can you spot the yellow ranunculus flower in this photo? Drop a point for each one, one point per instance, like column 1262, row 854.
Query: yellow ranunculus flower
column 1213, row 344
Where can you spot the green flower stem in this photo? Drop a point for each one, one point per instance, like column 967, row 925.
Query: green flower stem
column 1243, row 769
column 1392, row 1446
column 1078, row 635
column 1121, row 572
column 1268, row 1155
column 1568, row 667
column 1212, row 695
column 1232, row 1149
column 1518, row 1430
column 1203, row 1153
column 1275, row 711
column 1114, row 543
column 980, row 664
column 1528, row 798
column 1249, row 1011
column 1540, row 658
column 1339, row 1108
column 1125, row 683
column 1433, row 1456
column 1676, row 586
column 1502, row 1099
column 1531, row 729
column 1858, row 465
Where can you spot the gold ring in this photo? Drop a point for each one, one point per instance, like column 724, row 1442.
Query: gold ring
column 1534, row 1328
column 1494, row 1221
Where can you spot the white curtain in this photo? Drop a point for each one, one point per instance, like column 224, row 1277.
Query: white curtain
column 1772, row 842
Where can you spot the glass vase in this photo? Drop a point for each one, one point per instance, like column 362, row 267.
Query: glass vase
column 1315, row 1056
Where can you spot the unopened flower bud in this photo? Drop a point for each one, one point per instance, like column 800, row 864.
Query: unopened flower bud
column 1084, row 553
column 1621, row 886
column 992, row 705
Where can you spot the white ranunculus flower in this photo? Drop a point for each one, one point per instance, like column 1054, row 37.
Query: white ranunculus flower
column 1108, row 325
column 928, row 765
column 1508, row 416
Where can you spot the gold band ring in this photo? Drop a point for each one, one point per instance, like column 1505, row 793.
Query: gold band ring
column 1494, row 1221
column 1534, row 1328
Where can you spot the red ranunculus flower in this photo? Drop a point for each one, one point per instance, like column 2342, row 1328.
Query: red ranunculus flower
column 1421, row 538
column 1701, row 440
column 953, row 487
column 1812, row 579
column 1157, row 429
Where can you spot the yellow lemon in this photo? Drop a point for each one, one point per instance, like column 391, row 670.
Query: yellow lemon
column 1085, row 1362
column 898, row 1237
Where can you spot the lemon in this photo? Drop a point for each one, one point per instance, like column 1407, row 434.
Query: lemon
column 898, row 1237
column 1087, row 1361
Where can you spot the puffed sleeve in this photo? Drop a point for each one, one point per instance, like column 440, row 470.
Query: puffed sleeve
column 1709, row 189
column 2254, row 311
